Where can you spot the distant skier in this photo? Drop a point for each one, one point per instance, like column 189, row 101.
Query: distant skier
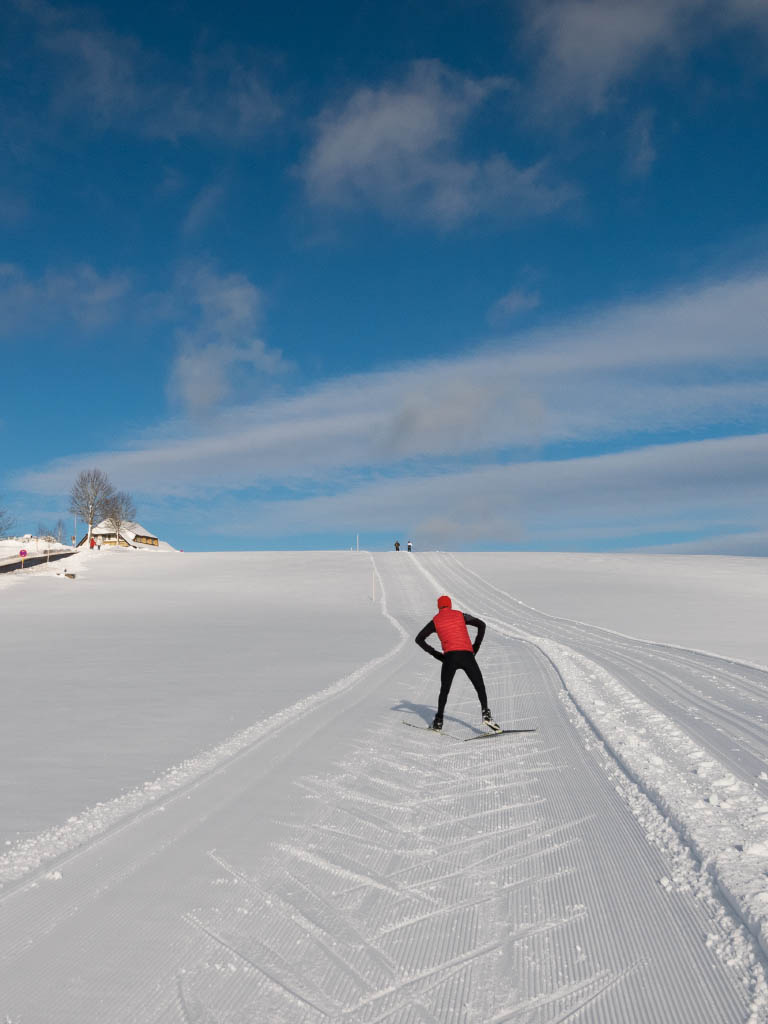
column 458, row 653
column 397, row 545
column 410, row 546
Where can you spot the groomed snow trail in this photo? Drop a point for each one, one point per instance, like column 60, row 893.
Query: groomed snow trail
column 689, row 727
column 345, row 868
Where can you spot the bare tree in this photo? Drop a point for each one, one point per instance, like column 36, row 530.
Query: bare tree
column 120, row 511
column 90, row 496
column 6, row 521
column 60, row 528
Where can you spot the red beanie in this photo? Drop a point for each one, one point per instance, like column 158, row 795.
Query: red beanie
column 444, row 602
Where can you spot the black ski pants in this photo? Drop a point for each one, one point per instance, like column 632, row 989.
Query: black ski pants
column 452, row 662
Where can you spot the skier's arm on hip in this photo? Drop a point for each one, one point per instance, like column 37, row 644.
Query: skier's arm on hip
column 479, row 626
column 421, row 640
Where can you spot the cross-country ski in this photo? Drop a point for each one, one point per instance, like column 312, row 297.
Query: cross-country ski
column 428, row 728
column 497, row 732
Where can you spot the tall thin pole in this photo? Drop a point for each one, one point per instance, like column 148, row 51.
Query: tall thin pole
column 358, row 542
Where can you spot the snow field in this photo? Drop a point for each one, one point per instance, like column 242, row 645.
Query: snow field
column 328, row 864
column 117, row 685
column 711, row 603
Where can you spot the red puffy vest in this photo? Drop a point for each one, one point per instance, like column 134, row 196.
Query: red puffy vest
column 452, row 630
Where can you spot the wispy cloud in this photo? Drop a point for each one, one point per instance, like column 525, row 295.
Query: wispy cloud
column 223, row 98
column 641, row 151
column 397, row 148
column 203, row 208
column 746, row 543
column 112, row 80
column 586, row 49
column 518, row 300
column 629, row 494
column 219, row 340
column 618, row 498
column 215, row 319
column 695, row 359
column 82, row 296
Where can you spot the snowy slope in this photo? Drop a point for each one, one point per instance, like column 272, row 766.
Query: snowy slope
column 713, row 603
column 147, row 658
column 337, row 866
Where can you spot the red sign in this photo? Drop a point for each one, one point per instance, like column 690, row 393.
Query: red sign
column 22, row 553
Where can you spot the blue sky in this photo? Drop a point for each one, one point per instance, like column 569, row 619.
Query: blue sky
column 483, row 275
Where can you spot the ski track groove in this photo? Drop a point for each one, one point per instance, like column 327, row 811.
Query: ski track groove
column 272, row 965
column 316, row 927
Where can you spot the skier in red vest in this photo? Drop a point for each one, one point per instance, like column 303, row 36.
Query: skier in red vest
column 458, row 653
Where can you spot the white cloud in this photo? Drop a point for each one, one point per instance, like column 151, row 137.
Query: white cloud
column 228, row 302
column 620, row 497
column 202, row 373
column 82, row 296
column 518, row 300
column 588, row 45
column 586, row 48
column 218, row 344
column 600, row 380
column 397, row 148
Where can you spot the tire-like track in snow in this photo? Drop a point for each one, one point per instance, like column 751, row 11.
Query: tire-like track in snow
column 349, row 869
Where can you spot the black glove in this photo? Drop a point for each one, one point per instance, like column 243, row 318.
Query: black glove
column 438, row 655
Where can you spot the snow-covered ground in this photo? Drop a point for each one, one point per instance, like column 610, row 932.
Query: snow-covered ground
column 213, row 814
column 709, row 602
column 146, row 658
column 10, row 547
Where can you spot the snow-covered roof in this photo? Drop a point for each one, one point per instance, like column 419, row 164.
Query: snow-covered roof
column 127, row 530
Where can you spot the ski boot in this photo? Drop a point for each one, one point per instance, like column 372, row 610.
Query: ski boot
column 437, row 724
column 488, row 720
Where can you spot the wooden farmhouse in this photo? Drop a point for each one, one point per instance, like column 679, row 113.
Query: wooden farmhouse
column 132, row 535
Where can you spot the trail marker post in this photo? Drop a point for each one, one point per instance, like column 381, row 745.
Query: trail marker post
column 22, row 556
